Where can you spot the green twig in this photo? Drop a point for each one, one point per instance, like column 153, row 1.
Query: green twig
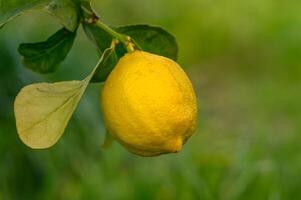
column 124, row 39
column 91, row 17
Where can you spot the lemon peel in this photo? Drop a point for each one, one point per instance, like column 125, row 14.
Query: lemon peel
column 149, row 105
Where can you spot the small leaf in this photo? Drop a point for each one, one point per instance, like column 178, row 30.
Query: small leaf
column 43, row 110
column 66, row 11
column 99, row 37
column 44, row 57
column 102, row 40
column 151, row 39
column 108, row 140
column 105, row 67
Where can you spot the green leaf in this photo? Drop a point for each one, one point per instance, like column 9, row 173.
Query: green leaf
column 105, row 67
column 44, row 57
column 99, row 37
column 66, row 11
column 43, row 110
column 109, row 139
column 151, row 39
column 102, row 40
column 11, row 8
column 86, row 8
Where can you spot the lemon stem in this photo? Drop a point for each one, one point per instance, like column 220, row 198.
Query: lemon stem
column 124, row 39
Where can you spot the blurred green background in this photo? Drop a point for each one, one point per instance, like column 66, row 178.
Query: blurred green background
column 244, row 59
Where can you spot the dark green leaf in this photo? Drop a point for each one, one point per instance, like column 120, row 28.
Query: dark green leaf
column 148, row 38
column 102, row 40
column 65, row 10
column 106, row 66
column 99, row 37
column 44, row 57
column 151, row 39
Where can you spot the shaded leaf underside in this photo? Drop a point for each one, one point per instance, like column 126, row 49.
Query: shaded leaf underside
column 44, row 57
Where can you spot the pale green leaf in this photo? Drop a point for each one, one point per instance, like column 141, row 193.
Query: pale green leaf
column 43, row 110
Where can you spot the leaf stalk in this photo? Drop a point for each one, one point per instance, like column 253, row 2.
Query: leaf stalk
column 124, row 39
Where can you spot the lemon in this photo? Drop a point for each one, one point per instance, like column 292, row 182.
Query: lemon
column 149, row 105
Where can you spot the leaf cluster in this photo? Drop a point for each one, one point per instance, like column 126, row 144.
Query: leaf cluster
column 43, row 110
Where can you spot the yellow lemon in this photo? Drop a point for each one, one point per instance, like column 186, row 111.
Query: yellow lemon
column 149, row 104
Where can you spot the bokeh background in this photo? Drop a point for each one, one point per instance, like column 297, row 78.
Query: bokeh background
column 244, row 59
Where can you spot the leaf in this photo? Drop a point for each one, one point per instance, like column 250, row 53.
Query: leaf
column 87, row 11
column 102, row 40
column 109, row 139
column 99, row 37
column 151, row 39
column 105, row 67
column 148, row 38
column 9, row 9
column 43, row 110
column 65, row 10
column 44, row 57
